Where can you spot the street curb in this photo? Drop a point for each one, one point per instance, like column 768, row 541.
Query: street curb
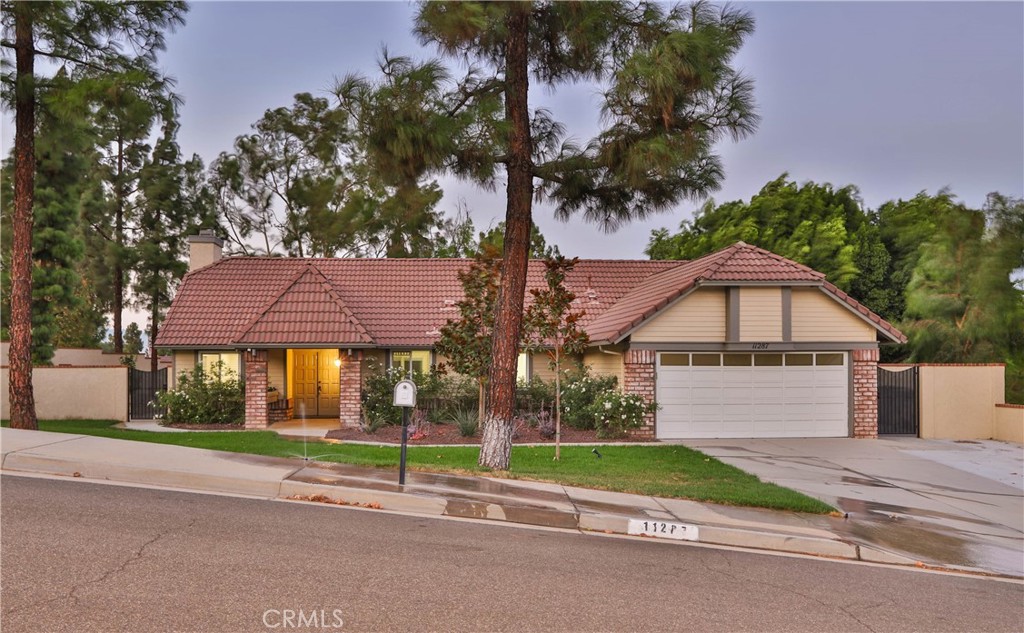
column 586, row 522
column 25, row 461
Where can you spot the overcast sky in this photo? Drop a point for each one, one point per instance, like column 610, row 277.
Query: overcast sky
column 895, row 98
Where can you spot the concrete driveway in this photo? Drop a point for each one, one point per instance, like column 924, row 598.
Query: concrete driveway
column 939, row 501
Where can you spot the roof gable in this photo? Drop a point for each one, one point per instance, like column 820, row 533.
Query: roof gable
column 306, row 311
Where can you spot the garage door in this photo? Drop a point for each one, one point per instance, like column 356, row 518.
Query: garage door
column 711, row 395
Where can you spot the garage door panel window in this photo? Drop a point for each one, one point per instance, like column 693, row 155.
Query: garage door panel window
column 830, row 360
column 707, row 360
column 768, row 360
column 799, row 360
column 675, row 360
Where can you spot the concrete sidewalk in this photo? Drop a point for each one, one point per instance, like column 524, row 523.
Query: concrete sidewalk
column 432, row 494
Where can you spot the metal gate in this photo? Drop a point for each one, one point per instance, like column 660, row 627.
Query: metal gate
column 142, row 388
column 898, row 410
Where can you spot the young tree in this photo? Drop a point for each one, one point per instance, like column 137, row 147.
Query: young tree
column 553, row 326
column 670, row 94
column 466, row 342
column 80, row 34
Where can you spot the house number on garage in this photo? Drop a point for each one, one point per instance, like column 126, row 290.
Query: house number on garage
column 759, row 346
column 663, row 529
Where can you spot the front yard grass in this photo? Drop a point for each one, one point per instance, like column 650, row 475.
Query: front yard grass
column 660, row 470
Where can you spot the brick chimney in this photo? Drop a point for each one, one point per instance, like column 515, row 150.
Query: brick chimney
column 204, row 249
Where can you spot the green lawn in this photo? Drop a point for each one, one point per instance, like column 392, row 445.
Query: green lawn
column 660, row 470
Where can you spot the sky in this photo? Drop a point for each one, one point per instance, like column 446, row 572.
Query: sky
column 895, row 98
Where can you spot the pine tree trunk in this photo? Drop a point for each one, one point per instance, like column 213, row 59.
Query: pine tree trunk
column 119, row 245
column 496, row 445
column 23, row 406
column 154, row 313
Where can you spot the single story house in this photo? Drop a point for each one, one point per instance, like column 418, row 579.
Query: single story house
column 739, row 343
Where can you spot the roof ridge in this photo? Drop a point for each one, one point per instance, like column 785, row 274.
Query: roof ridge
column 333, row 294
column 256, row 318
column 722, row 256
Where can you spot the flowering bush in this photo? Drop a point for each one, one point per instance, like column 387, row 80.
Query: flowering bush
column 616, row 412
column 202, row 398
column 580, row 390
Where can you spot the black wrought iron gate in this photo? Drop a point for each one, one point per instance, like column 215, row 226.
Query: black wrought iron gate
column 142, row 388
column 898, row 409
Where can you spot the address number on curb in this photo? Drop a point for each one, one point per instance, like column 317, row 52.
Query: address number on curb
column 663, row 529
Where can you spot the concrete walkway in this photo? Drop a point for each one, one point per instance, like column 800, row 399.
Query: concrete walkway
column 959, row 503
column 432, row 494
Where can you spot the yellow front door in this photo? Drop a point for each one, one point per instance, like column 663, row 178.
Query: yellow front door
column 316, row 381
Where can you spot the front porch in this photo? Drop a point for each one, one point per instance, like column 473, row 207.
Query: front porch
column 300, row 385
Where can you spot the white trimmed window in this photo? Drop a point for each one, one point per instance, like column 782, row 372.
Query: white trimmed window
column 210, row 361
column 412, row 361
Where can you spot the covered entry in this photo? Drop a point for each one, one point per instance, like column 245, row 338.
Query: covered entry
column 314, row 382
column 748, row 395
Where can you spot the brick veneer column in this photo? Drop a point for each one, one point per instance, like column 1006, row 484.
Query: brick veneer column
column 256, row 389
column 350, row 389
column 865, row 393
column 638, row 377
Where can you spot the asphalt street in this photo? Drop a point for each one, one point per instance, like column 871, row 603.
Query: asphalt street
column 80, row 556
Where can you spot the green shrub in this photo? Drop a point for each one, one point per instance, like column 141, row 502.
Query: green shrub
column 534, row 395
column 467, row 421
column 437, row 394
column 580, row 390
column 617, row 413
column 201, row 398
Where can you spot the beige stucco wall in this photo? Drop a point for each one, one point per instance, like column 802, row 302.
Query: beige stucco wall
column 80, row 357
column 820, row 318
column 698, row 317
column 604, row 364
column 1008, row 424
column 760, row 313
column 958, row 401
column 276, row 374
column 92, row 393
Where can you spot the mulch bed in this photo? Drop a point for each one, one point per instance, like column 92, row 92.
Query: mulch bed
column 449, row 434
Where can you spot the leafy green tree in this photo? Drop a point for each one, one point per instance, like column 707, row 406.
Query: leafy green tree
column 133, row 339
column 63, row 160
column 75, row 35
column 466, row 341
column 539, row 248
column 82, row 324
column 554, row 327
column 453, row 237
column 961, row 303
column 669, row 95
column 128, row 107
column 168, row 212
column 813, row 224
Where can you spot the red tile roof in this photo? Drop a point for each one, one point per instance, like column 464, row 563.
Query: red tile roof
column 266, row 301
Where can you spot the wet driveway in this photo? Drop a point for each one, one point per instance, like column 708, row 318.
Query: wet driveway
column 939, row 501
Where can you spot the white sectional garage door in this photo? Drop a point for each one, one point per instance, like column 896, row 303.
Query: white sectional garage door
column 716, row 395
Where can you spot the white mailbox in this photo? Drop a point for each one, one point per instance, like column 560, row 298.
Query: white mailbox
column 405, row 394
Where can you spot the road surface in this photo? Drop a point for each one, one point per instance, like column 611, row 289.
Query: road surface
column 81, row 557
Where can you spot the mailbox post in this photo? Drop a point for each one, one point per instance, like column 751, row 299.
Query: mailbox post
column 405, row 397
